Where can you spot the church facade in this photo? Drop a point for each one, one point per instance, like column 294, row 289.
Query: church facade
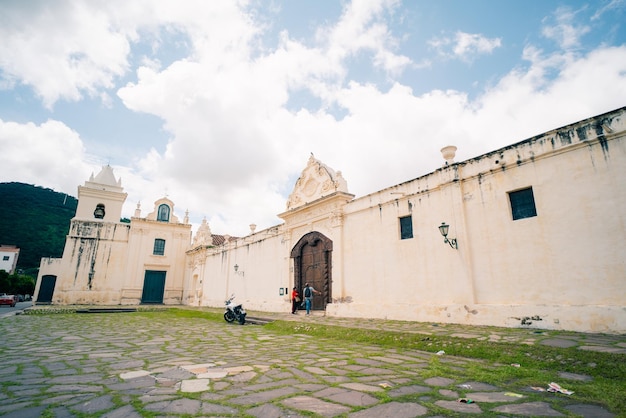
column 109, row 262
column 532, row 235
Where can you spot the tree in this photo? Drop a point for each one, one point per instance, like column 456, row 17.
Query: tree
column 5, row 283
column 16, row 284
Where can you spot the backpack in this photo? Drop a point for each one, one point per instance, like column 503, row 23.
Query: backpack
column 307, row 292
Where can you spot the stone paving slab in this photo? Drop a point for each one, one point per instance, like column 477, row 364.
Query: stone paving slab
column 463, row 408
column 265, row 396
column 492, row 396
column 194, row 385
column 592, row 411
column 123, row 412
column 603, row 349
column 318, row 406
column 353, row 398
column 181, row 367
column 34, row 412
column 392, row 409
column 534, row 409
column 272, row 411
column 362, row 387
column 559, row 342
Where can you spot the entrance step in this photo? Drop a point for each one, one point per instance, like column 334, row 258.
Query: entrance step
column 254, row 320
column 106, row 310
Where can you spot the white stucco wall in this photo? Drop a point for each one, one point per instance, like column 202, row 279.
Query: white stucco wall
column 93, row 264
column 263, row 269
column 11, row 254
column 562, row 269
column 565, row 266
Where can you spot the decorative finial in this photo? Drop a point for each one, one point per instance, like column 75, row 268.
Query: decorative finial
column 448, row 154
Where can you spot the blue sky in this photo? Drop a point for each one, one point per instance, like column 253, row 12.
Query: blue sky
column 219, row 104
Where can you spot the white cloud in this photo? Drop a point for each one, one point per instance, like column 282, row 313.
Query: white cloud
column 50, row 153
column 563, row 30
column 361, row 28
column 71, row 48
column 471, row 43
column 464, row 46
column 62, row 50
column 609, row 7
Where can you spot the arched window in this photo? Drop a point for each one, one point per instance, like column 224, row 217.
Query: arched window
column 163, row 214
column 159, row 247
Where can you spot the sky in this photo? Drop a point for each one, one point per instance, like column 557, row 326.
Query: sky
column 219, row 105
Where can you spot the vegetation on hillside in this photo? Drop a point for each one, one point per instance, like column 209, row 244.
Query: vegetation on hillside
column 36, row 220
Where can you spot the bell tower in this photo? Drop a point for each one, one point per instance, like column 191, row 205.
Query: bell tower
column 101, row 198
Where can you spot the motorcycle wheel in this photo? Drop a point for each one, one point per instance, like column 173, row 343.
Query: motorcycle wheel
column 242, row 319
column 229, row 316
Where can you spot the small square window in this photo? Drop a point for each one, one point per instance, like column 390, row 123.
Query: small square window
column 5, row 258
column 522, row 204
column 406, row 227
column 159, row 247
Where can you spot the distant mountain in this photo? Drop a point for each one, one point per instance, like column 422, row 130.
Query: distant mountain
column 35, row 219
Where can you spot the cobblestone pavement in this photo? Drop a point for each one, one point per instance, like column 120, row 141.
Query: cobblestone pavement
column 133, row 365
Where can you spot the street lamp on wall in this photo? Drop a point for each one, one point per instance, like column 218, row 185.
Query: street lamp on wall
column 443, row 228
column 240, row 273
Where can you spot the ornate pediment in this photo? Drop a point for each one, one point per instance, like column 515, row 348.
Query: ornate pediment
column 203, row 236
column 163, row 211
column 316, row 181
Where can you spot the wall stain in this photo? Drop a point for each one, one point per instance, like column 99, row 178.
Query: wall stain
column 528, row 320
column 565, row 137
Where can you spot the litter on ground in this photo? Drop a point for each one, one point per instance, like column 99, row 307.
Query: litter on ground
column 555, row 387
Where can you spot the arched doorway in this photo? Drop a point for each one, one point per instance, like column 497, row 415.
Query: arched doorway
column 313, row 264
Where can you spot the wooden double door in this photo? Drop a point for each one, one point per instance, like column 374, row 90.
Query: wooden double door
column 313, row 265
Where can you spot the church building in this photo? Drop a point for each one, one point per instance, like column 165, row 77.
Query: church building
column 529, row 235
column 109, row 262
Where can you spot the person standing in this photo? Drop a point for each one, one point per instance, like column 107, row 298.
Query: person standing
column 295, row 300
column 308, row 296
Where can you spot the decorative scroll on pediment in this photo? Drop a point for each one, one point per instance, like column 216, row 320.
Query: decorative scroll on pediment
column 203, row 236
column 316, row 181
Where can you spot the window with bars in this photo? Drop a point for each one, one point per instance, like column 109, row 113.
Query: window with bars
column 522, row 204
column 159, row 247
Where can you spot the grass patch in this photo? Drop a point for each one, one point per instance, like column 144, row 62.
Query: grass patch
column 539, row 364
column 181, row 313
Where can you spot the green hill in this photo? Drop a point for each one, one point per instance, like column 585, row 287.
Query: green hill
column 35, row 219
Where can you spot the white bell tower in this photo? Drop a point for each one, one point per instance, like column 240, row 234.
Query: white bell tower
column 101, row 198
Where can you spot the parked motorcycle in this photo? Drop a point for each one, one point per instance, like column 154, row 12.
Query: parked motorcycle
column 234, row 312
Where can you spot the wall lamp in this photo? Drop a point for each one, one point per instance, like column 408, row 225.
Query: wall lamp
column 240, row 273
column 443, row 228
